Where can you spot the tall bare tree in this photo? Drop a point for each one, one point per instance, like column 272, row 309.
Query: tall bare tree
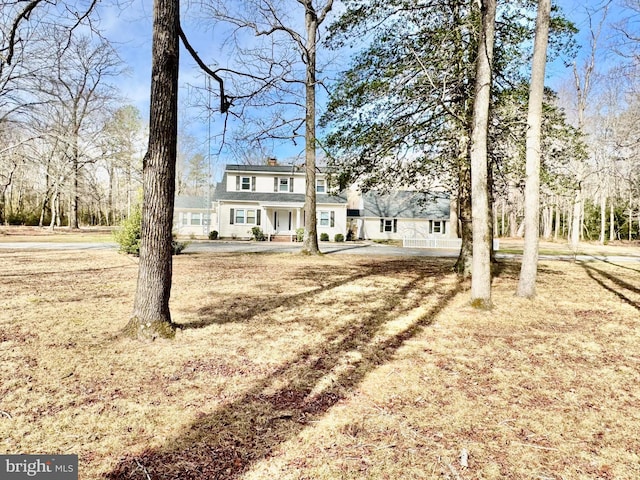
column 482, row 237
column 151, row 316
column 78, row 90
column 284, row 77
column 529, row 268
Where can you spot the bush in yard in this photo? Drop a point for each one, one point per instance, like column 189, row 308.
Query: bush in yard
column 177, row 246
column 257, row 234
column 213, row 235
column 338, row 238
column 129, row 234
column 324, row 237
column 299, row 234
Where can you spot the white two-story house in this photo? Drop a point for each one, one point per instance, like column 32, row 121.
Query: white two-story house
column 271, row 197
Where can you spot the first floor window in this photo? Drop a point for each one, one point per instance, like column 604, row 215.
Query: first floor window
column 388, row 225
column 244, row 216
column 195, row 219
column 437, row 226
column 184, row 218
column 327, row 218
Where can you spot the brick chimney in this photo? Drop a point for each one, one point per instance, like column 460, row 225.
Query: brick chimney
column 272, row 162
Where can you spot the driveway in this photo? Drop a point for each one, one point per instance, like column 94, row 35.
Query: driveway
column 350, row 248
column 355, row 248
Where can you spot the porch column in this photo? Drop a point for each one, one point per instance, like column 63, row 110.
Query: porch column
column 298, row 218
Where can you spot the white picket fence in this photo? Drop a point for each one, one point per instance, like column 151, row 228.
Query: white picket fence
column 434, row 242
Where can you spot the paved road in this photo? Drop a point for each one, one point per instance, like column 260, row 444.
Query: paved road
column 364, row 248
column 357, row 248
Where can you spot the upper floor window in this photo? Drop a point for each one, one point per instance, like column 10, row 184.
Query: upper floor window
column 283, row 184
column 321, row 185
column 246, row 183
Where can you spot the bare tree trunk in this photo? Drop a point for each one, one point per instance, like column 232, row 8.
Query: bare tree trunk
column 558, row 223
column 529, row 268
column 612, row 222
column 503, row 229
column 73, row 201
column 463, row 264
column 454, row 229
column 603, row 218
column 575, row 220
column 481, row 261
column 310, row 244
column 151, row 317
column 496, row 227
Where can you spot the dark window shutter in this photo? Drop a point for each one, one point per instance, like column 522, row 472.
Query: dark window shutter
column 275, row 184
column 237, row 182
column 382, row 225
column 443, row 227
column 395, row 225
column 253, row 184
column 291, row 184
column 232, row 213
column 333, row 218
column 430, row 226
column 258, row 212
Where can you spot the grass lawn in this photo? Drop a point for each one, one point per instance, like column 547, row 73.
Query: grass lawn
column 57, row 235
column 337, row 367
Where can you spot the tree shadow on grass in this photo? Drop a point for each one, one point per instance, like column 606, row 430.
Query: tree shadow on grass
column 224, row 444
column 624, row 289
column 242, row 307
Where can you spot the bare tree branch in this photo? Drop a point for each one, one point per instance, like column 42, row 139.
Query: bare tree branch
column 225, row 102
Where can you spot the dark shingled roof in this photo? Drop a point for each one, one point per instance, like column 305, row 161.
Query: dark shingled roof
column 291, row 169
column 406, row 204
column 191, row 202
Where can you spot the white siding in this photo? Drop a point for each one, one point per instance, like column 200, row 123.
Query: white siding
column 405, row 228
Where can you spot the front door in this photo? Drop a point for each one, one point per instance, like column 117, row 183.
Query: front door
column 282, row 220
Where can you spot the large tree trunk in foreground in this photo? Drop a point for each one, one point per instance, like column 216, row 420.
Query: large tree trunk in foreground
column 481, row 219
column 151, row 317
column 529, row 267
column 310, row 245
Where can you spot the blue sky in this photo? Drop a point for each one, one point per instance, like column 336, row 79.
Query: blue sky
column 130, row 29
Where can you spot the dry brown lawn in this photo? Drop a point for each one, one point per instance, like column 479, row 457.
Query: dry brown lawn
column 338, row 367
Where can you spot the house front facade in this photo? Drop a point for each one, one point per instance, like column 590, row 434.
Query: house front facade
column 271, row 197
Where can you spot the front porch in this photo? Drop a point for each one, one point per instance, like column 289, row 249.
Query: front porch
column 282, row 222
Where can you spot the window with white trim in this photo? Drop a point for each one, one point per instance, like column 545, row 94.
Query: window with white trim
column 321, row 185
column 244, row 216
column 196, row 218
column 326, row 218
column 388, row 225
column 283, row 184
column 245, row 183
column 437, row 226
